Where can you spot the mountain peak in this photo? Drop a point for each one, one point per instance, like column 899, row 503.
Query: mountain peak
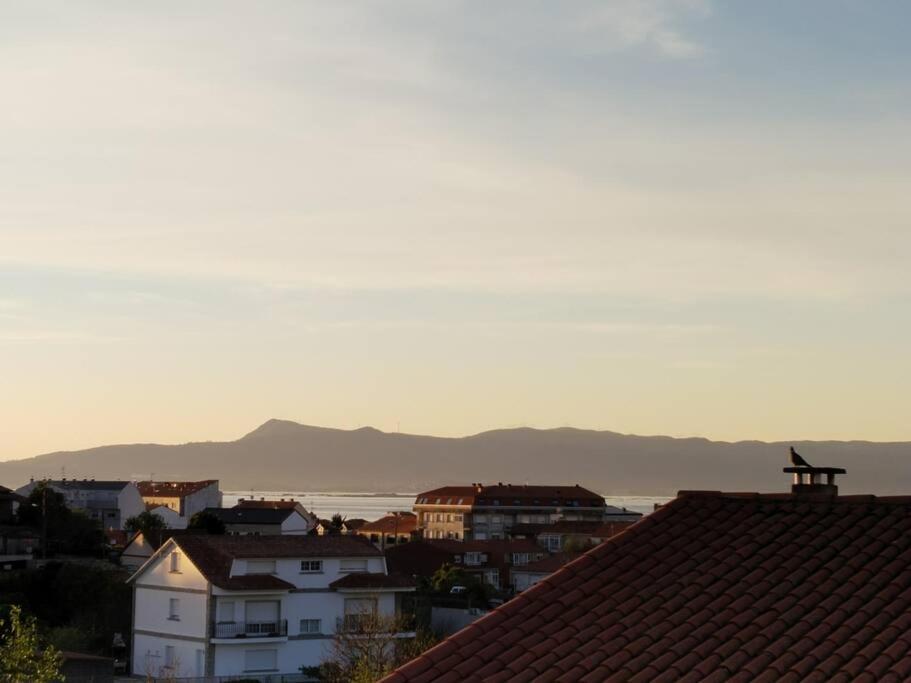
column 276, row 427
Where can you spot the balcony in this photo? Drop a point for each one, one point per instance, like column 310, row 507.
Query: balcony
column 251, row 629
column 402, row 625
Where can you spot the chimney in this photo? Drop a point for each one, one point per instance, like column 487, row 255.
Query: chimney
column 809, row 480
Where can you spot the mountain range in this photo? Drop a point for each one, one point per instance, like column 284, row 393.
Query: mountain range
column 281, row 455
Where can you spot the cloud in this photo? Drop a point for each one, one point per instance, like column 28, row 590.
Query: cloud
column 626, row 24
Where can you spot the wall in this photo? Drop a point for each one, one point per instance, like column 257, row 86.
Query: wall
column 296, row 524
column 136, row 553
column 209, row 497
column 448, row 620
column 289, row 570
column 129, row 500
column 229, row 659
column 300, row 649
column 152, row 627
column 149, row 657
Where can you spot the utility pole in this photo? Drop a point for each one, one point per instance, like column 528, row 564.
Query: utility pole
column 44, row 522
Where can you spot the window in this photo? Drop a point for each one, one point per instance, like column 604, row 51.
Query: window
column 310, row 626
column 311, row 566
column 359, row 613
column 457, row 518
column 473, row 558
column 260, row 566
column 174, row 609
column 520, row 558
column 175, row 563
column 552, row 543
column 260, row 660
column 492, row 576
column 353, row 566
column 170, row 656
column 225, row 611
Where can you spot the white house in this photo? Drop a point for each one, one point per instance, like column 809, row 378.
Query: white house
column 213, row 605
column 111, row 503
column 255, row 521
column 183, row 498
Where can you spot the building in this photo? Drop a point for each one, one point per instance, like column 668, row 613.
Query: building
column 488, row 512
column 110, row 503
column 262, row 521
column 527, row 576
column 492, row 561
column 9, row 503
column 213, row 605
column 806, row 586
column 140, row 546
column 183, row 498
column 576, row 535
column 393, row 529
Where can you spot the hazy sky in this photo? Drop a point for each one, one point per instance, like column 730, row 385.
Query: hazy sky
column 665, row 216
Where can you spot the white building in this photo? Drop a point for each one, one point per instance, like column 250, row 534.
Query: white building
column 183, row 498
column 212, row 605
column 111, row 503
column 244, row 520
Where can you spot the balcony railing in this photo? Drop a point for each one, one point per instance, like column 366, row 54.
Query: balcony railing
column 250, row 629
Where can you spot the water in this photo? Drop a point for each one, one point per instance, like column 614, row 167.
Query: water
column 373, row 506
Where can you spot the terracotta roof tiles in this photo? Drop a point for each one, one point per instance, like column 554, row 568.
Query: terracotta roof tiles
column 172, row 489
column 711, row 587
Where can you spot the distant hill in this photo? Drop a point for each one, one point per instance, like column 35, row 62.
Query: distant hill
column 286, row 456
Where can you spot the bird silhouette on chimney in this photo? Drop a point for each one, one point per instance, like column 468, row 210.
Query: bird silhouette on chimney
column 797, row 460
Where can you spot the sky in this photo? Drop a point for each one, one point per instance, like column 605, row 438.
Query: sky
column 680, row 217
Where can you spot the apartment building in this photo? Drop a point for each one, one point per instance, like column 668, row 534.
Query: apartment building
column 183, row 498
column 393, row 529
column 493, row 562
column 488, row 512
column 110, row 503
column 254, row 606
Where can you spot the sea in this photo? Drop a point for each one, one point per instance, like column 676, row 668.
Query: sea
column 371, row 506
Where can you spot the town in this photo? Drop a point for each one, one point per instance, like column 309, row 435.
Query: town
column 265, row 590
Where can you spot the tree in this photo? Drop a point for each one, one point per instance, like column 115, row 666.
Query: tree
column 21, row 658
column 447, row 576
column 62, row 529
column 369, row 647
column 146, row 522
column 337, row 522
column 206, row 521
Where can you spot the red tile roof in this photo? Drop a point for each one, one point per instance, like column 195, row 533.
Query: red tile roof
column 711, row 587
column 172, row 489
column 402, row 523
column 510, row 495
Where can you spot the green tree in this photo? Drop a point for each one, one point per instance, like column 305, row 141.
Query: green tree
column 206, row 521
column 447, row 576
column 337, row 522
column 146, row 522
column 22, row 659
column 62, row 529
